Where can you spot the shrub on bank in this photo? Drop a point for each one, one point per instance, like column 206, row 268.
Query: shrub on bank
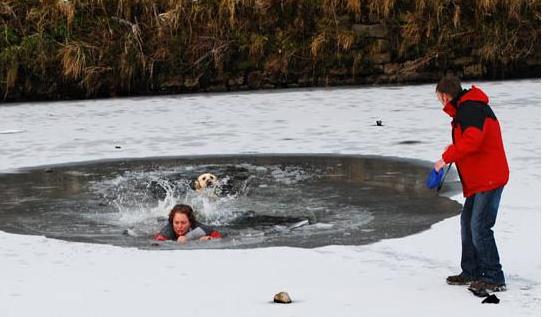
column 53, row 49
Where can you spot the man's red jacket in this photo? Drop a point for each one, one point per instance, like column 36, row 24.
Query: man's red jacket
column 477, row 148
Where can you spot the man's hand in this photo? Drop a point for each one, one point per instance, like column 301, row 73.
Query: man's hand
column 439, row 165
column 205, row 238
column 182, row 239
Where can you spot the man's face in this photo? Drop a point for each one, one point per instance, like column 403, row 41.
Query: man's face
column 443, row 98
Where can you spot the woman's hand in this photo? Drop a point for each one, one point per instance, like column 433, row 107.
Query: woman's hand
column 182, row 239
column 205, row 238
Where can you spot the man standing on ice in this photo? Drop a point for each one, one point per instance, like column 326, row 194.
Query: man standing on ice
column 478, row 152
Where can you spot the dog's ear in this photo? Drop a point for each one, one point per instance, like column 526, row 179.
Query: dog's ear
column 197, row 185
column 192, row 185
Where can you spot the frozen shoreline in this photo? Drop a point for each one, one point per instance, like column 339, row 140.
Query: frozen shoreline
column 58, row 278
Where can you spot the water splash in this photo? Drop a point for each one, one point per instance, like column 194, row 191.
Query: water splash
column 298, row 201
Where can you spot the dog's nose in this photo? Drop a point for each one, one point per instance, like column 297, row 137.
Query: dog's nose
column 209, row 183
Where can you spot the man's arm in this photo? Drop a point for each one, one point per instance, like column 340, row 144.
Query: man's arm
column 471, row 118
column 469, row 142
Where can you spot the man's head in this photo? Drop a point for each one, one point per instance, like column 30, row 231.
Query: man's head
column 448, row 88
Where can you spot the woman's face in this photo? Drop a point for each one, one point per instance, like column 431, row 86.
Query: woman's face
column 181, row 224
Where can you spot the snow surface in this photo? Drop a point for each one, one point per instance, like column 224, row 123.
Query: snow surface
column 399, row 277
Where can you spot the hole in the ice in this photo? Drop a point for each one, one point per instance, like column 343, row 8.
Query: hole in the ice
column 259, row 201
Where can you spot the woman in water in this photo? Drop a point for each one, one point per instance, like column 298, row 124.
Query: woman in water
column 182, row 227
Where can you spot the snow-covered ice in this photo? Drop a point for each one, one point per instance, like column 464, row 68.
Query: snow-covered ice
column 399, row 277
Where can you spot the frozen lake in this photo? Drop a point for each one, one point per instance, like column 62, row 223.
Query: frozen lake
column 334, row 280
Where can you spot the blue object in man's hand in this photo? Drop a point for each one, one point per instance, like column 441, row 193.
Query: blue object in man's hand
column 434, row 178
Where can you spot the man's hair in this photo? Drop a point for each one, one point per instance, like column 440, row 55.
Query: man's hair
column 449, row 85
column 182, row 209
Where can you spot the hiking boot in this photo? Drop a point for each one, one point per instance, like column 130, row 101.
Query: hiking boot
column 459, row 279
column 488, row 286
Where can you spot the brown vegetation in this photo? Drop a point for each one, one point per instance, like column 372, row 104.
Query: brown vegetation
column 90, row 48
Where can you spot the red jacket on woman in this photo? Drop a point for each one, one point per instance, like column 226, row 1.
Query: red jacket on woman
column 477, row 148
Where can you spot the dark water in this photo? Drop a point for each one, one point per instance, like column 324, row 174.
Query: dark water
column 288, row 200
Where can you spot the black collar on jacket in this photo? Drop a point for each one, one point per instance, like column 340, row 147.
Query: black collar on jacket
column 455, row 100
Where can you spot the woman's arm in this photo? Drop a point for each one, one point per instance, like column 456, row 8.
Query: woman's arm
column 208, row 232
column 166, row 233
column 159, row 237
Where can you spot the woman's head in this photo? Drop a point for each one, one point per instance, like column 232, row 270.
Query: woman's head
column 181, row 218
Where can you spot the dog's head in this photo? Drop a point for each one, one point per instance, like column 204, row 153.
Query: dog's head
column 205, row 180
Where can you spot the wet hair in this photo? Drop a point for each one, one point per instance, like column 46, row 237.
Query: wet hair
column 182, row 209
column 449, row 85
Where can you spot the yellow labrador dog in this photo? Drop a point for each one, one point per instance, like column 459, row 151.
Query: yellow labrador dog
column 205, row 180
